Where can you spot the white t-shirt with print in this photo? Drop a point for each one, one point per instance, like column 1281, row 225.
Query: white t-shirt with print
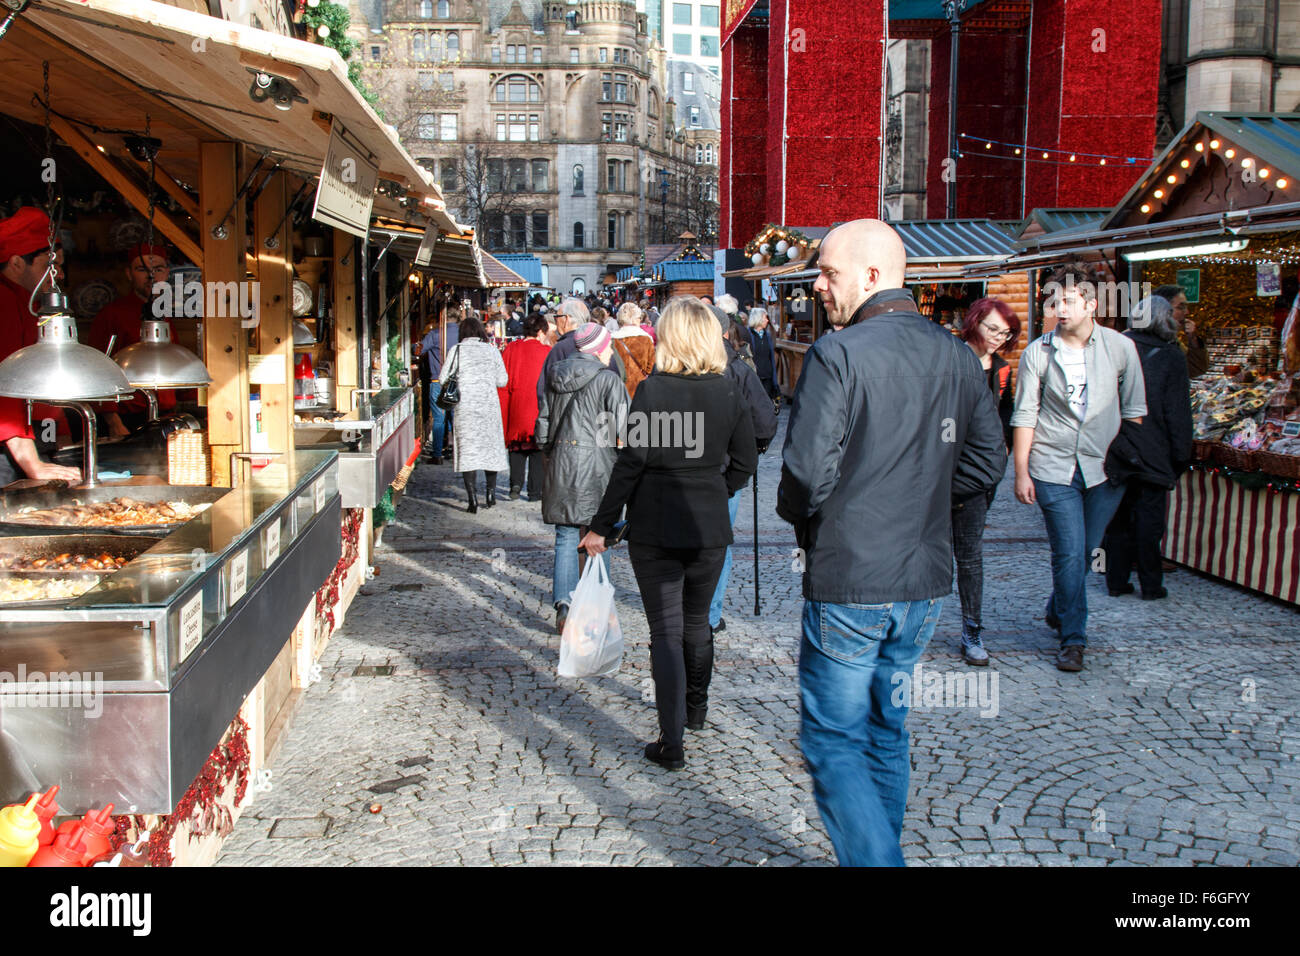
column 1075, row 365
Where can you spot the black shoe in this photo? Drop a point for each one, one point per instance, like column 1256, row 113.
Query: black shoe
column 670, row 758
column 490, row 498
column 698, row 659
column 1155, row 595
column 722, row 626
column 695, row 717
column 1052, row 620
column 1125, row 588
column 514, row 492
column 473, row 501
column 1070, row 658
column 432, row 459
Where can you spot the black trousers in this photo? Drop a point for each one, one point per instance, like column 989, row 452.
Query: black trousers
column 968, row 519
column 677, row 587
column 1134, row 534
column 532, row 461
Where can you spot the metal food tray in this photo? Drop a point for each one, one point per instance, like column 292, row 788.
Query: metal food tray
column 91, row 545
column 148, row 494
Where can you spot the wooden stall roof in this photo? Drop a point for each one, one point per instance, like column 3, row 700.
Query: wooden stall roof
column 113, row 61
column 499, row 275
column 454, row 259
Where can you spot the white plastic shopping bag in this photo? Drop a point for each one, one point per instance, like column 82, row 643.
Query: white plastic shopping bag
column 592, row 642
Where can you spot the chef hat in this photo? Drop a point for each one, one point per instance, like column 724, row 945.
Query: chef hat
column 26, row 231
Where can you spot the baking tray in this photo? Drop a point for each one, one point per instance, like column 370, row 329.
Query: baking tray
column 39, row 499
column 51, row 546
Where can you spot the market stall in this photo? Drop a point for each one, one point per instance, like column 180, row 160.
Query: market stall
column 259, row 165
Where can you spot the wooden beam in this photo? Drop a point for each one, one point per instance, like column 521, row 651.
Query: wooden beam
column 118, row 180
column 347, row 318
column 169, row 184
column 225, row 342
column 295, row 74
column 274, row 271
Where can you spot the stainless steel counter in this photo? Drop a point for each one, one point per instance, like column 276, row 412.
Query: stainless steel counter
column 122, row 693
column 373, row 443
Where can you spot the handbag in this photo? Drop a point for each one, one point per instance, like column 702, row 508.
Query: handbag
column 449, row 397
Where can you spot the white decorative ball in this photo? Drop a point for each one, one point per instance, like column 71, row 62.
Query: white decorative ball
column 322, row 31
column 756, row 258
column 765, row 248
column 782, row 246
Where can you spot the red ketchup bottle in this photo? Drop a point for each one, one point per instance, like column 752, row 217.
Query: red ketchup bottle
column 68, row 848
column 98, row 826
column 46, row 810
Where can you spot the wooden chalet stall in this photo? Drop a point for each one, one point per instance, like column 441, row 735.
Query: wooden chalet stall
column 265, row 169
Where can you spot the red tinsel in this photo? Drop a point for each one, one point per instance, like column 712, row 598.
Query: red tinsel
column 327, row 597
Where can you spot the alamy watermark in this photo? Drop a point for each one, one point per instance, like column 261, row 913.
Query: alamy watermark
column 61, row 689
column 652, row 430
column 1114, row 299
column 929, row 689
column 211, row 300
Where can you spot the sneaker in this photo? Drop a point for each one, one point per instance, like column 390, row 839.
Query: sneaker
column 1070, row 658
column 972, row 650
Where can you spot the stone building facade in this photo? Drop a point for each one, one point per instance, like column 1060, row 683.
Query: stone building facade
column 547, row 123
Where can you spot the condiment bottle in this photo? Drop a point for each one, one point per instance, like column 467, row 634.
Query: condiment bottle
column 68, row 849
column 98, row 826
column 20, row 830
column 46, row 810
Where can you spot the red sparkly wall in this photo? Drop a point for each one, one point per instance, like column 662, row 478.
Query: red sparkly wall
column 936, row 196
column 1084, row 98
column 743, row 173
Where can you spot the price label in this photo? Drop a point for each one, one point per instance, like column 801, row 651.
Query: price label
column 238, row 576
column 271, row 543
column 191, row 625
column 320, row 493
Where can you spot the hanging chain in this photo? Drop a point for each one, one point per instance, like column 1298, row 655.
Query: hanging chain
column 53, row 269
column 153, row 157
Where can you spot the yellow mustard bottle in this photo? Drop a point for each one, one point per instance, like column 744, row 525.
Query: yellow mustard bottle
column 20, row 831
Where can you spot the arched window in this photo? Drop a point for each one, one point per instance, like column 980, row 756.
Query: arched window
column 577, row 183
column 517, row 89
column 577, row 235
column 453, row 45
column 653, row 103
column 435, row 45
column 426, row 9
column 699, row 152
column 444, row 9
column 579, row 286
column 612, row 228
column 417, row 46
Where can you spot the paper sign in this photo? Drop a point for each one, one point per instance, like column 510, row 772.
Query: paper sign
column 191, row 625
column 238, row 576
column 1190, row 280
column 1268, row 279
column 267, row 370
column 1291, row 430
column 271, row 543
column 321, row 494
column 347, row 184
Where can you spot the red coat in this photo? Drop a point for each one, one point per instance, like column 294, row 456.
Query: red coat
column 121, row 317
column 18, row 328
column 523, row 359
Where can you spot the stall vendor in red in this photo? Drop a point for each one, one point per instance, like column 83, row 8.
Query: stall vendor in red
column 146, row 265
column 24, row 259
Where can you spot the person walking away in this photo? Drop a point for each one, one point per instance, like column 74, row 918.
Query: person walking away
column 583, row 402
column 1074, row 386
column 760, row 337
column 634, row 345
column 523, row 360
column 1150, row 457
column 990, row 327
column 432, row 350
column 1198, row 356
column 478, row 439
column 677, row 559
column 763, row 418
column 569, row 315
column 890, row 419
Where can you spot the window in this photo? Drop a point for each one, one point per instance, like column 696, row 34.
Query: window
column 682, row 14
column 435, row 46
column 688, row 82
column 518, row 127
column 518, row 171
column 450, row 177
column 611, row 174
column 534, row 128
column 517, row 89
column 501, row 127
column 541, row 230
column 444, row 9
column 453, row 45
column 496, row 54
column 577, row 235
column 612, row 225
column 541, row 173
column 448, row 126
column 496, row 230
column 574, row 54
column 708, row 16
column 708, row 154
column 447, row 81
column 427, row 126
column 537, row 54
column 606, row 125
column 682, row 44
column 374, row 53
column 620, row 88
column 577, row 180
column 699, row 153
column 496, row 174
column 510, row 53
column 519, row 231
column 652, row 104
column 606, row 86
column 426, row 9
column 579, row 286
column 695, row 116
column 620, row 128
column 604, row 55
column 426, row 81
column 708, row 46
column 417, row 46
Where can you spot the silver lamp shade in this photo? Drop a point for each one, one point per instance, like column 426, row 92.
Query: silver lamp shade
column 157, row 362
column 57, row 368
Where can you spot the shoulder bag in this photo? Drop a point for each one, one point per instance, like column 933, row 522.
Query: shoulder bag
column 449, row 397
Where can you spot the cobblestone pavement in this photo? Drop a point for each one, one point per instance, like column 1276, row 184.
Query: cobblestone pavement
column 1174, row 746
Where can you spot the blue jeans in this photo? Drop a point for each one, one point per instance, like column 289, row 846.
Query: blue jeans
column 855, row 679
column 565, row 576
column 715, row 608
column 1076, row 519
column 441, row 421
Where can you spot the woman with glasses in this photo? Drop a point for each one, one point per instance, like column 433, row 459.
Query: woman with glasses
column 990, row 328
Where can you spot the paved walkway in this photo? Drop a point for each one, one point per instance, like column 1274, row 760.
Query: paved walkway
column 439, row 701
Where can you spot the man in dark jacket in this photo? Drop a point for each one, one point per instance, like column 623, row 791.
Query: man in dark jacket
column 571, row 314
column 1150, row 456
column 760, row 337
column 763, row 416
column 582, row 393
column 891, row 418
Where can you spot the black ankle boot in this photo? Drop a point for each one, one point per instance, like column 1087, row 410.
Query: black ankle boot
column 670, row 758
column 699, row 672
column 491, row 497
column 469, row 490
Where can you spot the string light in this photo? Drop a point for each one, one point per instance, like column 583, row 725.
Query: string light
column 1230, row 153
column 1185, row 163
column 1171, row 179
column 1247, row 163
column 1214, row 144
column 1281, row 184
column 1046, row 151
column 1200, row 147
column 1159, row 194
column 1146, row 207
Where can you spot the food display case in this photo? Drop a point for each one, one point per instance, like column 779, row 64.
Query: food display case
column 122, row 692
column 373, row 443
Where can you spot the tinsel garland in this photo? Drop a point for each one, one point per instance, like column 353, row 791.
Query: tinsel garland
column 327, row 596
column 228, row 762
column 1249, row 479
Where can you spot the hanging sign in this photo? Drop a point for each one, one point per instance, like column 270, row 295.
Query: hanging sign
column 424, row 255
column 1190, row 280
column 347, row 184
column 1268, row 279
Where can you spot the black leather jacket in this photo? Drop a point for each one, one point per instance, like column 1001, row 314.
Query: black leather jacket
column 892, row 418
